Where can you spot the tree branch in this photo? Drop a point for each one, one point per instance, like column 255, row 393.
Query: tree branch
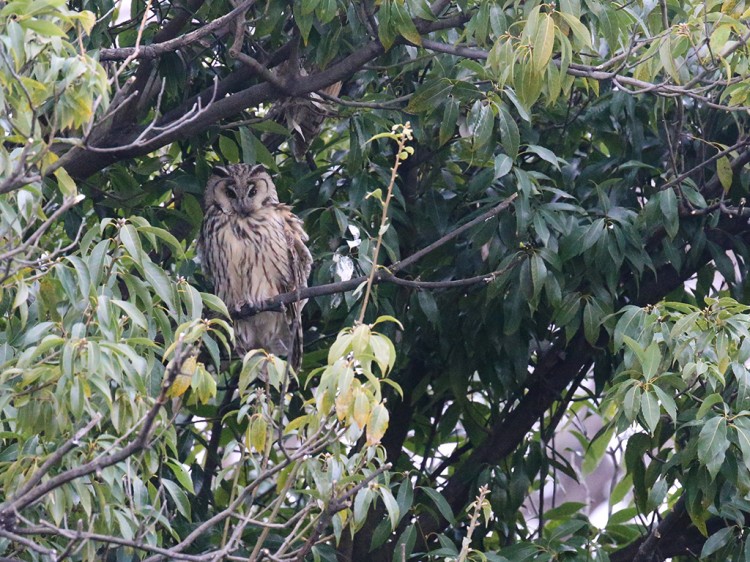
column 82, row 163
column 157, row 49
column 742, row 143
column 19, row 501
column 387, row 275
column 556, row 369
column 57, row 456
column 334, row 506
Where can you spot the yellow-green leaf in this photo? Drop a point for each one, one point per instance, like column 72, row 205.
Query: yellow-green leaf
column 257, row 432
column 362, row 409
column 544, row 41
column 65, row 183
column 725, row 173
column 404, row 24
column 377, row 424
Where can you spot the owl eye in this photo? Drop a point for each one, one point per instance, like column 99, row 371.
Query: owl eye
column 253, row 190
column 231, row 193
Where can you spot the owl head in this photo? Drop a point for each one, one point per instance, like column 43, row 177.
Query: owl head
column 240, row 189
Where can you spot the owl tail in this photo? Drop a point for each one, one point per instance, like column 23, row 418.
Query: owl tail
column 295, row 347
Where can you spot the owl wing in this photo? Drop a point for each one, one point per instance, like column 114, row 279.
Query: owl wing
column 300, row 264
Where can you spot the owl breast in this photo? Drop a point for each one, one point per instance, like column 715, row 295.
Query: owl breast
column 248, row 261
column 250, row 258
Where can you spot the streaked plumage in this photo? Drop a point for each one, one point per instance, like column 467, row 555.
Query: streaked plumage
column 253, row 248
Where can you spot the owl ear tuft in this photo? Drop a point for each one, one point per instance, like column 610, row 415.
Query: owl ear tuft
column 220, row 171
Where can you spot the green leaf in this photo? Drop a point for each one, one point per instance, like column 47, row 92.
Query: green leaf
column 564, row 510
column 528, row 84
column 667, row 58
column 229, row 149
column 592, row 320
column 381, row 534
column 405, row 497
column 670, row 212
column 503, row 165
column 545, row 154
column 43, row 27
column 362, row 502
column 538, row 274
column 667, row 402
column 713, row 444
column 429, row 307
column 636, row 348
column 124, row 524
column 421, row 9
column 178, row 496
column 405, row 544
column 631, row 402
column 138, row 318
column 627, row 325
column 182, row 475
column 716, row 541
column 404, row 24
column 429, row 95
column 652, row 360
column 450, row 118
column 596, row 449
column 326, row 10
column 708, row 403
column 441, row 503
column 650, row 410
column 580, row 32
column 308, row 6
column 159, row 281
column 131, row 241
column 167, row 237
column 66, row 184
column 741, row 426
column 391, row 506
column 510, row 138
column 480, row 122
column 387, row 23
column 215, row 303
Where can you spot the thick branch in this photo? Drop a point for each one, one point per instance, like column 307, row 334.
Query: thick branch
column 82, row 163
column 157, row 49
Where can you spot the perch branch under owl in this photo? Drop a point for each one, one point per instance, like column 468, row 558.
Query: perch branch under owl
column 388, row 275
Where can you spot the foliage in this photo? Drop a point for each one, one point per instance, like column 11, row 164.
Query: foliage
column 563, row 240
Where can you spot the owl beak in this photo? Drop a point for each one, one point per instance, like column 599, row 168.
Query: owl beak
column 220, row 171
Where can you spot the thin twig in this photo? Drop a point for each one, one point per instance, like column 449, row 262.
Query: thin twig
column 68, row 203
column 57, row 456
column 402, row 138
column 18, row 502
column 363, row 104
column 334, row 506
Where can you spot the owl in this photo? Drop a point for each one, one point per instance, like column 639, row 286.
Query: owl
column 303, row 115
column 253, row 248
